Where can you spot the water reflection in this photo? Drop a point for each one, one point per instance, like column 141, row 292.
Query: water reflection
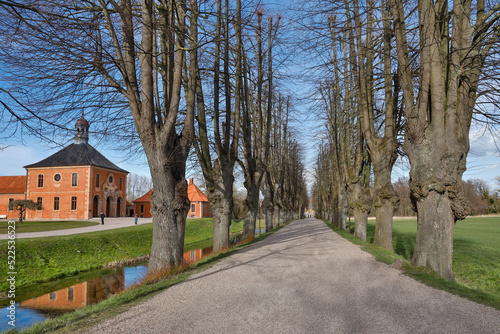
column 79, row 295
column 64, row 300
column 82, row 294
column 196, row 255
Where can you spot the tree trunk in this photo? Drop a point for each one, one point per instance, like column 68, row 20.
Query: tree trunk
column 169, row 206
column 361, row 204
column 385, row 201
column 220, row 195
column 360, row 223
column 342, row 209
column 219, row 183
column 276, row 216
column 437, row 195
column 222, row 221
column 269, row 206
column 251, row 215
column 383, row 225
column 436, row 219
column 270, row 218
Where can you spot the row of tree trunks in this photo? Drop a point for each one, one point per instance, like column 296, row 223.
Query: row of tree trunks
column 439, row 76
column 219, row 172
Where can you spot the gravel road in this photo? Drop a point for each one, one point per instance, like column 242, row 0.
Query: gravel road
column 303, row 279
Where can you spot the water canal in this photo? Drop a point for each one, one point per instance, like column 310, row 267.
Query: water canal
column 51, row 299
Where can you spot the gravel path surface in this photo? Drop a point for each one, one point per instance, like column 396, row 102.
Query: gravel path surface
column 109, row 224
column 303, row 279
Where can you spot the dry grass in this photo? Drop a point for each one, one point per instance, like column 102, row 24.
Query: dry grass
column 166, row 273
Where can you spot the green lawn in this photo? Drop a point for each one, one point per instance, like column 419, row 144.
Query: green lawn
column 476, row 256
column 476, row 249
column 44, row 259
column 202, row 230
column 34, row 226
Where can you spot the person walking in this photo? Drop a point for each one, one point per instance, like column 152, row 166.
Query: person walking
column 102, row 218
column 136, row 219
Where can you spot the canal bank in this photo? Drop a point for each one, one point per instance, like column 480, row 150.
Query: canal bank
column 53, row 299
column 82, row 319
column 44, row 259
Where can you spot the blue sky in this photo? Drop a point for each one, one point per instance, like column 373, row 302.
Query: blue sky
column 483, row 161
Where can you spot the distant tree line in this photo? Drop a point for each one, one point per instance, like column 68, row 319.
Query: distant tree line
column 137, row 185
column 481, row 199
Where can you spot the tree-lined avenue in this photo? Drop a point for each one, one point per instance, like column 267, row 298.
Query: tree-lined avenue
column 303, row 279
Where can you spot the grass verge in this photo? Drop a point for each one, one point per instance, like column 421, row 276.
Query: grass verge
column 45, row 259
column 476, row 257
column 82, row 320
column 36, row 226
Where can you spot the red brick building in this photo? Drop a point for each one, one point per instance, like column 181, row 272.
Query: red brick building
column 76, row 182
column 11, row 189
column 200, row 207
column 142, row 205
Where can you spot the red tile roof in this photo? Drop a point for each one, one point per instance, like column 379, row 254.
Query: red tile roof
column 12, row 184
column 194, row 194
column 145, row 198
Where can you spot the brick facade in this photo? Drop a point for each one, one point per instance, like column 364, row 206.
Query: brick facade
column 76, row 182
column 75, row 192
column 11, row 189
column 199, row 207
column 142, row 205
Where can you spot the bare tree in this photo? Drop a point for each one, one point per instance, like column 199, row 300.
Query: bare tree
column 22, row 205
column 255, row 125
column 218, row 173
column 126, row 56
column 137, row 185
column 402, row 188
column 380, row 129
column 324, row 187
column 453, row 44
column 276, row 175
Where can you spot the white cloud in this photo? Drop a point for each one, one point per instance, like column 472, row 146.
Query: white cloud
column 483, row 143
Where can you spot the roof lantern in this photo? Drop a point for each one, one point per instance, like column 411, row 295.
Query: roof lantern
column 82, row 131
